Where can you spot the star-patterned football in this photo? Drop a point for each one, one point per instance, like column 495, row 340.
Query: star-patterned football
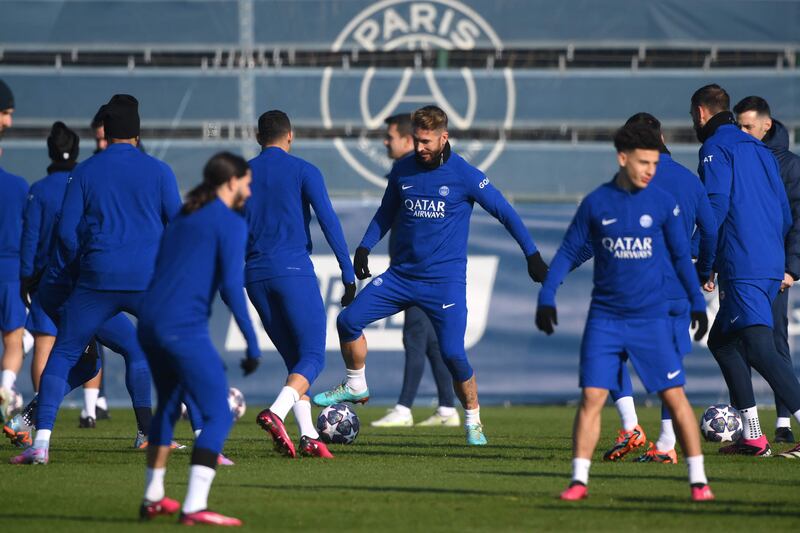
column 338, row 423
column 721, row 423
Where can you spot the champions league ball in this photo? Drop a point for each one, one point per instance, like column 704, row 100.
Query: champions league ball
column 15, row 404
column 721, row 423
column 338, row 424
column 236, row 403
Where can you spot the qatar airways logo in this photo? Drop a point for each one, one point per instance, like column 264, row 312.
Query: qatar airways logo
column 629, row 247
column 422, row 208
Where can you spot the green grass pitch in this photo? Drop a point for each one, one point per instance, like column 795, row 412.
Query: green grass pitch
column 409, row 479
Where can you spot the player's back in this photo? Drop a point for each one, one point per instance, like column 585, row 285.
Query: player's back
column 128, row 197
column 187, row 274
column 48, row 192
column 278, row 216
column 12, row 201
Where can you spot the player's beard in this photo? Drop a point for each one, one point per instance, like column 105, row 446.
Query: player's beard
column 238, row 202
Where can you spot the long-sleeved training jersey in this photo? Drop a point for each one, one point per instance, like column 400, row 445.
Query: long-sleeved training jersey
column 42, row 212
column 12, row 204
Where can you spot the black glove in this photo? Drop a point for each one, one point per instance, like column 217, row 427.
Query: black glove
column 703, row 277
column 546, row 318
column 699, row 321
column 249, row 365
column 27, row 286
column 361, row 263
column 349, row 294
column 537, row 268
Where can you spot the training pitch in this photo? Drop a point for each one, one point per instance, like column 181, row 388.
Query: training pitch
column 405, row 479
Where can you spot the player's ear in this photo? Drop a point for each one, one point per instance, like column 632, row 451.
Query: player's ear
column 768, row 123
column 445, row 136
column 622, row 158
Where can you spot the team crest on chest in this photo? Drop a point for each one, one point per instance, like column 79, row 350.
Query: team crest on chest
column 444, row 190
column 645, row 221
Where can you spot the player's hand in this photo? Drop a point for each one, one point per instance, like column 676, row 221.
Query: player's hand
column 249, row 365
column 546, row 318
column 787, row 282
column 349, row 294
column 700, row 321
column 27, row 286
column 361, row 263
column 537, row 268
column 710, row 284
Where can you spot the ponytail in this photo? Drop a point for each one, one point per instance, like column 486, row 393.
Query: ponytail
column 219, row 169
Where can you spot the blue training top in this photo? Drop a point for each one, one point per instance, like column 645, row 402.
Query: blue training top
column 284, row 188
column 428, row 212
column 12, row 204
column 201, row 253
column 632, row 234
column 115, row 209
column 41, row 217
column 743, row 183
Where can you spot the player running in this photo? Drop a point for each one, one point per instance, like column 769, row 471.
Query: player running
column 427, row 204
column 635, row 231
column 694, row 209
column 12, row 310
column 743, row 183
column 280, row 277
column 207, row 239
column 115, row 209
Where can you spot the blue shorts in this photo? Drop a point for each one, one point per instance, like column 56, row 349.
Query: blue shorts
column 12, row 308
column 744, row 303
column 680, row 315
column 608, row 343
column 39, row 322
column 444, row 303
column 291, row 309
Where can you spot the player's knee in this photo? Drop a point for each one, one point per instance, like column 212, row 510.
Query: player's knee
column 459, row 367
column 347, row 327
column 310, row 367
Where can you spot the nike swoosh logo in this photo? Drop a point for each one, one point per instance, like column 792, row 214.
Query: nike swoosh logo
column 672, row 375
column 607, row 221
column 406, row 186
column 446, row 306
column 735, row 319
column 292, row 268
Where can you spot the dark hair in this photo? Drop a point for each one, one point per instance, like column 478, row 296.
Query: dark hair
column 644, row 119
column 753, row 103
column 403, row 123
column 430, row 118
column 99, row 118
column 273, row 125
column 219, row 169
column 636, row 136
column 62, row 145
column 713, row 97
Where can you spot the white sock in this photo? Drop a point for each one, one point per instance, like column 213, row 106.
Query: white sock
column 446, row 411
column 90, row 401
column 666, row 441
column 200, row 479
column 9, row 379
column 154, row 484
column 357, row 379
column 102, row 403
column 197, row 432
column 472, row 417
column 697, row 472
column 580, row 470
column 402, row 409
column 42, row 439
column 752, row 427
column 285, row 400
column 783, row 422
column 305, row 423
column 627, row 413
column 797, row 415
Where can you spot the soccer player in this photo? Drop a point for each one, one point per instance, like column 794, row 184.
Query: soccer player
column 280, row 277
column 115, row 208
column 755, row 118
column 12, row 310
column 419, row 337
column 635, row 231
column 694, row 209
column 743, row 183
column 427, row 204
column 207, row 239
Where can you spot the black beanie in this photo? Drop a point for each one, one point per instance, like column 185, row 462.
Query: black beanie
column 62, row 143
column 6, row 97
column 121, row 117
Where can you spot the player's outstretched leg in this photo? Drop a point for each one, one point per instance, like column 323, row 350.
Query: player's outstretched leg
column 585, row 434
column 354, row 388
column 467, row 392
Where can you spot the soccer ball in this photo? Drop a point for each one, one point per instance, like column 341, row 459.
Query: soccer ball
column 721, row 423
column 236, row 403
column 338, row 423
column 15, row 404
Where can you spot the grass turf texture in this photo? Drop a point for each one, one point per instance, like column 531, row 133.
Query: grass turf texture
column 403, row 479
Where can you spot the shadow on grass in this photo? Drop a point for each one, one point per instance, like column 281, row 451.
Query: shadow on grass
column 628, row 476
column 674, row 506
column 67, row 518
column 378, row 489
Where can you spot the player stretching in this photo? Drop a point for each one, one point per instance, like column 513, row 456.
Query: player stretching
column 690, row 195
column 427, row 205
column 207, row 239
column 12, row 310
column 752, row 213
column 633, row 228
column 114, row 212
column 280, row 277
